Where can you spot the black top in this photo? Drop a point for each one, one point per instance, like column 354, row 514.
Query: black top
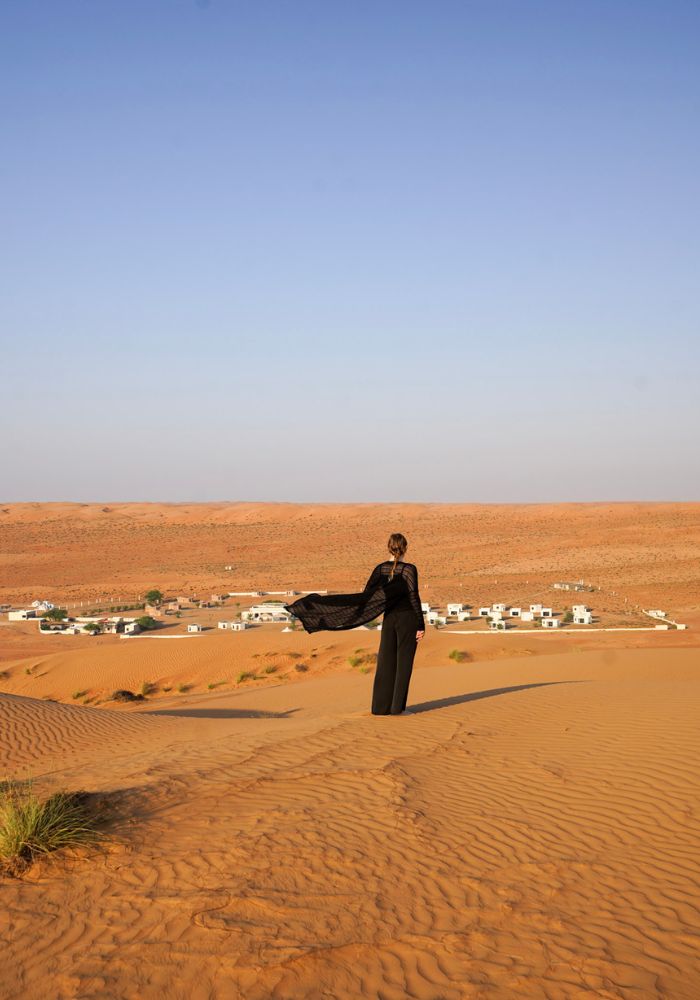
column 382, row 594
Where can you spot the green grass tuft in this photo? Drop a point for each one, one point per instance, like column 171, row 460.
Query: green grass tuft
column 245, row 675
column 78, row 694
column 31, row 827
column 459, row 655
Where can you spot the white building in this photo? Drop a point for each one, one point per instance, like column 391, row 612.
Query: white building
column 515, row 612
column 454, row 609
column 21, row 616
column 238, row 626
column 193, row 627
column 499, row 607
column 580, row 609
column 550, row 623
column 43, row 605
column 536, row 609
column 131, row 628
column 484, row 612
column 496, row 616
column 546, row 612
column 657, row 614
column 497, row 625
column 464, row 616
column 266, row 612
column 223, row 624
column 434, row 618
column 527, row 616
column 425, row 607
column 582, row 618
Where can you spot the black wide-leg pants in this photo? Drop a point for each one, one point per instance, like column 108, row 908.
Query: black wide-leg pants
column 394, row 663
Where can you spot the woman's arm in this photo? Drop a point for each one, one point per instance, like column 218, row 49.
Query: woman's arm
column 374, row 578
column 411, row 578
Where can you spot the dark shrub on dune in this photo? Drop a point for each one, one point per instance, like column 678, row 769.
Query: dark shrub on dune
column 126, row 696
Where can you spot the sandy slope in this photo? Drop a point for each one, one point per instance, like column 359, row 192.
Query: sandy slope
column 532, row 831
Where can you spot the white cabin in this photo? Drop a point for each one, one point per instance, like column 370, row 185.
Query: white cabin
column 497, row 625
column 527, row 616
column 464, row 616
column 550, row 623
column 21, row 616
column 580, row 609
column 582, row 618
column 499, row 607
column 657, row 614
column 454, row 609
column 496, row 616
column 194, row 627
column 266, row 612
column 131, row 628
column 435, row 618
column 546, row 612
column 425, row 607
column 536, row 609
column 515, row 612
column 223, row 624
column 238, row 626
column 484, row 612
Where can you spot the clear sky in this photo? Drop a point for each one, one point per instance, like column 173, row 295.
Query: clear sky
column 350, row 250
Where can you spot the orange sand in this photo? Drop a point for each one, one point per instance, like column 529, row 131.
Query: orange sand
column 532, row 831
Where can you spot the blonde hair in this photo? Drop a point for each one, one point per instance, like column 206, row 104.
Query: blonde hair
column 397, row 546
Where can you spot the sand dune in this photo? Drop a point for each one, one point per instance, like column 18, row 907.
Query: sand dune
column 532, row 831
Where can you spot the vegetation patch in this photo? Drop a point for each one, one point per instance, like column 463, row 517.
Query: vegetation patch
column 78, row 694
column 123, row 695
column 214, row 684
column 31, row 827
column 459, row 655
column 245, row 675
column 301, row 668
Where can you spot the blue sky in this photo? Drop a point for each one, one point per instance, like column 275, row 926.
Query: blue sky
column 350, row 251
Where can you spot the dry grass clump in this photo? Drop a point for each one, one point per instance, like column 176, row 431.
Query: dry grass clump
column 31, row 827
column 459, row 655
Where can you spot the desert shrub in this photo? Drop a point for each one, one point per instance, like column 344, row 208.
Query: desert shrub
column 568, row 617
column 182, row 688
column 4, row 674
column 459, row 655
column 270, row 669
column 214, row 684
column 78, row 694
column 31, row 827
column 146, row 622
column 300, row 668
column 123, row 695
column 355, row 661
column 146, row 689
column 28, row 671
column 56, row 615
column 245, row 675
column 365, row 670
column 294, row 656
column 153, row 596
column 168, row 688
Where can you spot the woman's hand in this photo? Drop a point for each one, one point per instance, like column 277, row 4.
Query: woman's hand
column 419, row 636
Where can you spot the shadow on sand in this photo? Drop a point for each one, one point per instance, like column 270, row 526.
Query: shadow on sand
column 222, row 713
column 460, row 699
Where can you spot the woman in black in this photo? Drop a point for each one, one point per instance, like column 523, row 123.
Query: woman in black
column 392, row 590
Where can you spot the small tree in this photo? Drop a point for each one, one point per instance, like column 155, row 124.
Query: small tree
column 56, row 615
column 154, row 597
column 568, row 617
column 92, row 627
column 146, row 623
